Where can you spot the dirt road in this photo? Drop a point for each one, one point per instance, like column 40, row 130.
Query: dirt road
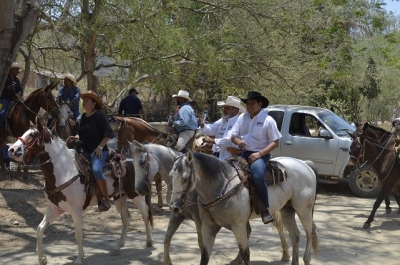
column 339, row 217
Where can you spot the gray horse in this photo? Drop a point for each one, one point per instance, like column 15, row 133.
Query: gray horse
column 210, row 176
column 151, row 159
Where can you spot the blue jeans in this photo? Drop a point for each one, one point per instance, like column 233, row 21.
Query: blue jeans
column 97, row 165
column 3, row 111
column 257, row 171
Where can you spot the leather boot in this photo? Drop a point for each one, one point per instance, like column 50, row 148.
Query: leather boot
column 104, row 204
column 267, row 217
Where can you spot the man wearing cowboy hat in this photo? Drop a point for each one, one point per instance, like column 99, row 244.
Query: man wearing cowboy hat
column 131, row 105
column 221, row 129
column 185, row 120
column 256, row 134
column 12, row 88
column 70, row 93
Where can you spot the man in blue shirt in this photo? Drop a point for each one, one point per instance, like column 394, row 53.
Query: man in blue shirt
column 12, row 88
column 131, row 105
column 185, row 120
column 70, row 92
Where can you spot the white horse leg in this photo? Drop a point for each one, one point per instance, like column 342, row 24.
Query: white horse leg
column 289, row 222
column 174, row 222
column 285, row 247
column 239, row 256
column 208, row 234
column 122, row 208
column 140, row 203
column 49, row 217
column 76, row 214
column 306, row 219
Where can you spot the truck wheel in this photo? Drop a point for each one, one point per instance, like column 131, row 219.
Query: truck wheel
column 365, row 183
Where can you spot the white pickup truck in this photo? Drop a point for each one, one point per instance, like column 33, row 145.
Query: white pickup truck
column 317, row 134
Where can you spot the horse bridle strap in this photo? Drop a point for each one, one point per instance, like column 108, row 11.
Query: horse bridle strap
column 225, row 196
column 60, row 188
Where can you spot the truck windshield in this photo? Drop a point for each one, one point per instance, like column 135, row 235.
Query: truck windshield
column 339, row 126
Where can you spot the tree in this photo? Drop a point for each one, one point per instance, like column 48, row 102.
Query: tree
column 15, row 25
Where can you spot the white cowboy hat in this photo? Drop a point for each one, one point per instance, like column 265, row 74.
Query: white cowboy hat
column 182, row 94
column 233, row 102
column 16, row 65
column 71, row 77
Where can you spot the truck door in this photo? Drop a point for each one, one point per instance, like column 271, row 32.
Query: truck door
column 301, row 140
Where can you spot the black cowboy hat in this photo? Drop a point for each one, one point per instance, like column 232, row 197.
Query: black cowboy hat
column 258, row 96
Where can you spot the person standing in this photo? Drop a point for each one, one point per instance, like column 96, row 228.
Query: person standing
column 185, row 120
column 221, row 129
column 256, row 134
column 95, row 131
column 12, row 88
column 70, row 92
column 131, row 105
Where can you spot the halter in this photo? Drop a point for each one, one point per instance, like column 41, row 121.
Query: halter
column 191, row 184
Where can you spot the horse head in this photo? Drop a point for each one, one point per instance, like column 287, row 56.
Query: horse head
column 183, row 181
column 31, row 143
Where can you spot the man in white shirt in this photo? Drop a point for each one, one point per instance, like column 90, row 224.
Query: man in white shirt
column 221, row 128
column 256, row 134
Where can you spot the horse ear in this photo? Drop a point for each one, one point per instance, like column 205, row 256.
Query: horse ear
column 39, row 125
column 189, row 156
column 351, row 135
column 72, row 102
column 135, row 144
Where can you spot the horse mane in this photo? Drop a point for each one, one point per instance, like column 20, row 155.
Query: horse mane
column 212, row 167
column 143, row 122
column 374, row 127
column 34, row 92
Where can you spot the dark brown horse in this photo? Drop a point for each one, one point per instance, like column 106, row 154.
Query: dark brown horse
column 24, row 113
column 383, row 158
column 137, row 129
column 381, row 136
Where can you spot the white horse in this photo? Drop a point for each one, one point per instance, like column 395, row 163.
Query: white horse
column 64, row 191
column 152, row 159
column 211, row 176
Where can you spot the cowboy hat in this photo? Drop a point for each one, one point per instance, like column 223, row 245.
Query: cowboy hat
column 132, row 90
column 258, row 96
column 71, row 77
column 183, row 94
column 233, row 102
column 91, row 94
column 16, row 65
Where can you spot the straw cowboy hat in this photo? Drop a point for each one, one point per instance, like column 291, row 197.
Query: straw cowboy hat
column 233, row 102
column 71, row 77
column 183, row 94
column 16, row 65
column 258, row 96
column 91, row 94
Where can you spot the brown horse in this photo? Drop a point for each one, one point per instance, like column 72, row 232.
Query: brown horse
column 24, row 113
column 383, row 158
column 381, row 136
column 137, row 129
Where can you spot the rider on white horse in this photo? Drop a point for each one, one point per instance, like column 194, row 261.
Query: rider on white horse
column 256, row 134
column 221, row 129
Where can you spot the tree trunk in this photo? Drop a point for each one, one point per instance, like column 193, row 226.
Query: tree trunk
column 16, row 23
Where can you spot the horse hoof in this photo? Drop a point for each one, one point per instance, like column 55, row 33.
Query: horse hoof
column 43, row 261
column 149, row 243
column 78, row 261
column 398, row 211
column 388, row 210
column 285, row 258
column 115, row 252
column 366, row 226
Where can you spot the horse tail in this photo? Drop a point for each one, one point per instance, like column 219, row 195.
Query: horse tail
column 314, row 239
column 315, row 169
column 150, row 211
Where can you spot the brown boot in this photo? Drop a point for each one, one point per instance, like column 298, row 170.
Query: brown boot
column 104, row 204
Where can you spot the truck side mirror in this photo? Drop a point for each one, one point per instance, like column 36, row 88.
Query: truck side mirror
column 324, row 134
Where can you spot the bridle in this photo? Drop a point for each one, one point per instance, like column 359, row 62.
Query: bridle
column 191, row 183
column 360, row 159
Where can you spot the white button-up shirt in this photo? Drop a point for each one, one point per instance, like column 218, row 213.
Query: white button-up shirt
column 221, row 129
column 258, row 132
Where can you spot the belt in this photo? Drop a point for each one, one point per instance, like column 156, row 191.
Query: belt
column 186, row 130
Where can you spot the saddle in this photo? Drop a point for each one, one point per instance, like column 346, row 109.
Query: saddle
column 10, row 110
column 113, row 167
column 274, row 174
column 172, row 138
